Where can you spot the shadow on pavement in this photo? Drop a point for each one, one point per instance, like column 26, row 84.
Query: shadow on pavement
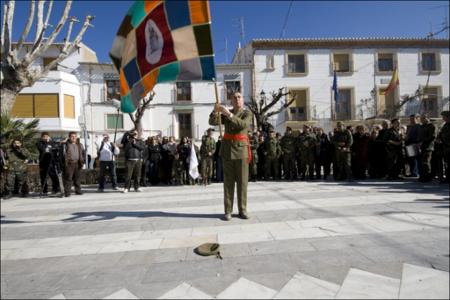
column 109, row 215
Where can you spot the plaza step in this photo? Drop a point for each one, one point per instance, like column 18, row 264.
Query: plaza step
column 247, row 289
column 420, row 283
column 303, row 286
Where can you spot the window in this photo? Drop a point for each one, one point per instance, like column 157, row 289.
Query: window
column 298, row 108
column 112, row 89
column 69, row 106
column 183, row 91
column 232, row 87
column 36, row 106
column 430, row 62
column 343, row 105
column 342, row 63
column 296, row 63
column 47, row 60
column 185, row 125
column 269, row 62
column 111, row 120
column 430, row 101
column 385, row 62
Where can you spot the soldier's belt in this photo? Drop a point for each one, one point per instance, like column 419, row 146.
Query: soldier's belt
column 240, row 138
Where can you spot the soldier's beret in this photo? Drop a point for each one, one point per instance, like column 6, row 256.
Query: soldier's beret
column 208, row 249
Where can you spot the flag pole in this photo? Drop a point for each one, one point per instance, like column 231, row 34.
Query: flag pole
column 217, row 102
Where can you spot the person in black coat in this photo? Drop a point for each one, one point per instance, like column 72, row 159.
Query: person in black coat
column 48, row 163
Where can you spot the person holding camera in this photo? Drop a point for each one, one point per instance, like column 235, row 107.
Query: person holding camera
column 73, row 160
column 48, row 163
column 106, row 155
column 133, row 157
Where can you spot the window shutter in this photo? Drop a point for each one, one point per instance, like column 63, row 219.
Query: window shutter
column 69, row 106
column 23, row 107
column 46, row 106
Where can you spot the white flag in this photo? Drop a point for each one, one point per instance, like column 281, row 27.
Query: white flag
column 193, row 163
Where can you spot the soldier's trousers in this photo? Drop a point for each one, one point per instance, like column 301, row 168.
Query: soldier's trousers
column 16, row 179
column 425, row 171
column 207, row 167
column 393, row 163
column 133, row 172
column 289, row 166
column 307, row 166
column 71, row 174
column 271, row 168
column 235, row 171
column 343, row 165
column 254, row 167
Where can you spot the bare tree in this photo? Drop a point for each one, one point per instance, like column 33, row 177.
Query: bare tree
column 16, row 61
column 136, row 117
column 262, row 111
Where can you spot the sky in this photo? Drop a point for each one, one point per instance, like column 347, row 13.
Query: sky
column 266, row 19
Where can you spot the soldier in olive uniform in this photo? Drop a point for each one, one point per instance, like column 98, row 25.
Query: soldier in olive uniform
column 254, row 163
column 178, row 170
column 235, row 152
column 342, row 141
column 287, row 144
column 307, row 147
column 444, row 139
column 207, row 150
column 272, row 152
column 394, row 146
column 427, row 136
column 16, row 162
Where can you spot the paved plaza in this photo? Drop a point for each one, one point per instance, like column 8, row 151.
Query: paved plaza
column 304, row 240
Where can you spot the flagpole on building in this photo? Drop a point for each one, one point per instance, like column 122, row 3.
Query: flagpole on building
column 217, row 102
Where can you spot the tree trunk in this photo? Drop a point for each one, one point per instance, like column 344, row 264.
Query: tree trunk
column 8, row 98
column 138, row 126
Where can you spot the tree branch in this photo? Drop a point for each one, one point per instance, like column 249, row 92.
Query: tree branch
column 40, row 20
column 282, row 107
column 39, row 48
column 49, row 11
column 275, row 99
column 87, row 23
column 69, row 32
column 27, row 28
column 7, row 29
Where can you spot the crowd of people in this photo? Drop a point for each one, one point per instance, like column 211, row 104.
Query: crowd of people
column 389, row 151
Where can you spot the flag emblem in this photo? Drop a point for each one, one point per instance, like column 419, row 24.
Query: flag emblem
column 162, row 41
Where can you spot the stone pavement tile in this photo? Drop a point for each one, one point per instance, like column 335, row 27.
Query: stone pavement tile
column 27, row 266
column 342, row 242
column 121, row 294
column 183, row 271
column 239, row 237
column 421, row 283
column 34, row 282
column 302, row 286
column 32, row 295
column 261, row 264
column 272, row 247
column 271, row 280
column 394, row 253
column 94, row 293
column 59, row 296
column 364, row 285
column 152, row 256
column 246, row 289
column 185, row 291
column 151, row 290
column 215, row 284
column 189, row 241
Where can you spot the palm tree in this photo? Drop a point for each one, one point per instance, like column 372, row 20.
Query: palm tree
column 17, row 128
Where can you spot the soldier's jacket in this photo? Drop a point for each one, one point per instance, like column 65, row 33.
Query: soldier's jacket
column 17, row 159
column 427, row 135
column 238, row 124
column 177, row 168
column 287, row 144
column 393, row 135
column 444, row 136
column 208, row 146
column 272, row 148
column 343, row 137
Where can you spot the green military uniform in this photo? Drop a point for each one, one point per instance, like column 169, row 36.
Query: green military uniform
column 287, row 144
column 178, row 171
column 444, row 138
column 16, row 170
column 427, row 136
column 394, row 152
column 254, row 163
column 234, row 154
column 307, row 147
column 342, row 141
column 207, row 150
column 272, row 151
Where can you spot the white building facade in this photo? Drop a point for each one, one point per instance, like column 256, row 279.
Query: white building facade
column 364, row 68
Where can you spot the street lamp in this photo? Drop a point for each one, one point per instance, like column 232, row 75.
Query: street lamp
column 116, row 104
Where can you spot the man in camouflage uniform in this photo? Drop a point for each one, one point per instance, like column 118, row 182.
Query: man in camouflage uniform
column 16, row 164
column 272, row 152
column 307, row 147
column 207, row 150
column 254, row 163
column 342, row 141
column 394, row 146
column 178, row 170
column 444, row 138
column 427, row 138
column 287, row 144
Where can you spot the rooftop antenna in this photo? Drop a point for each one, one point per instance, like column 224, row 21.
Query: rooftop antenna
column 226, row 50
column 240, row 23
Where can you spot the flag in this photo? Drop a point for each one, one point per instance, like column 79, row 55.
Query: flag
column 162, row 41
column 335, row 88
column 393, row 84
column 193, row 163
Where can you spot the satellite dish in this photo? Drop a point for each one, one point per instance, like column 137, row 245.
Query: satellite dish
column 115, row 103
